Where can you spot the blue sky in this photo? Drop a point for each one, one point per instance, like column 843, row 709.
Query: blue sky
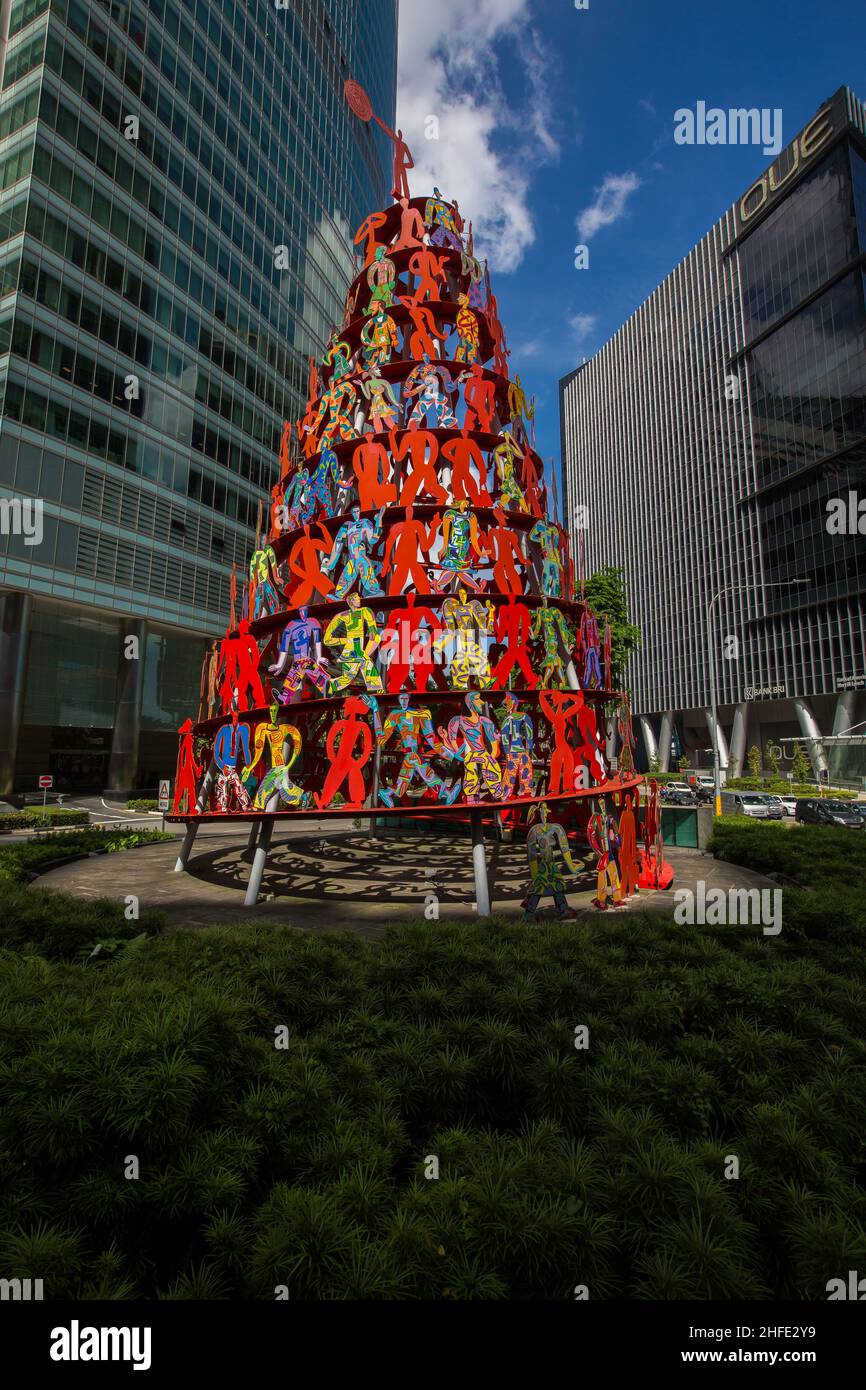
column 546, row 113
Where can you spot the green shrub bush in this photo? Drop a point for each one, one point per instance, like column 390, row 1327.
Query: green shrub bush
column 780, row 786
column 30, row 857
column 305, row 1166
column 813, row 855
column 37, row 817
column 143, row 804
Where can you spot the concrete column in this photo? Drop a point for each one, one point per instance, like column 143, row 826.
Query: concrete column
column 665, row 740
column 15, row 610
column 123, row 763
column 844, row 715
column 739, row 735
column 724, row 758
column 649, row 738
column 812, row 734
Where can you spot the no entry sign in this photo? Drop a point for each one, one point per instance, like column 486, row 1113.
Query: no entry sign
column 46, row 781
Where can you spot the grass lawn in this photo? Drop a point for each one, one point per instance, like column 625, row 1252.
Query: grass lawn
column 448, row 1046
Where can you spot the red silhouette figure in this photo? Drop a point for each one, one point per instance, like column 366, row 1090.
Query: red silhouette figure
column 403, row 162
column 248, row 668
column 303, row 563
column 344, row 737
column 501, row 542
column 430, row 271
column 500, row 352
column 628, row 850
column 285, row 441
column 558, row 707
column 587, row 745
column 368, row 229
column 513, row 621
column 406, row 538
column 422, row 479
column 411, row 646
column 529, row 479
column 460, row 452
column 479, row 393
column 372, row 470
column 424, row 330
column 187, row 771
column 227, row 662
column 411, row 228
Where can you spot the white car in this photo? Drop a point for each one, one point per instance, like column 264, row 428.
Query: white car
column 790, row 805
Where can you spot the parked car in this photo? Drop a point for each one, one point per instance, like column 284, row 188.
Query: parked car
column 775, row 809
column 745, row 804
column 680, row 787
column 858, row 808
column 675, row 796
column 815, row 811
column 790, row 805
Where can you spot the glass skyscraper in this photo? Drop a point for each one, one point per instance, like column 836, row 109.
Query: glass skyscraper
column 179, row 186
column 714, row 438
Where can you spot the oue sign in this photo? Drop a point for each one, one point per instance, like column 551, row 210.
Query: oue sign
column 801, row 149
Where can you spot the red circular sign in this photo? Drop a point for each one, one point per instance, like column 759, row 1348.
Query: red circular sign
column 358, row 99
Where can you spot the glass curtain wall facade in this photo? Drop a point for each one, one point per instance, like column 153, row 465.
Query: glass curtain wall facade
column 728, row 416
column 179, row 187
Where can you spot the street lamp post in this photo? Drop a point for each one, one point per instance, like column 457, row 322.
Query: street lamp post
column 711, row 623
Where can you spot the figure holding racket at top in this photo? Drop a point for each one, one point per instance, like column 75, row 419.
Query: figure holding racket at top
column 403, row 161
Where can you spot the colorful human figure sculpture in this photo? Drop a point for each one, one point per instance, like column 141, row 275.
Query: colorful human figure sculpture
column 347, row 750
column 379, row 339
column 424, row 333
column 277, row 778
column 608, row 886
column 461, row 452
column 628, row 849
column 467, row 331
column 479, row 394
column 532, row 485
column 187, row 771
column 513, row 630
column 439, row 216
column 359, row 640
column 422, row 449
column 429, row 269
column 338, row 357
column 303, row 564
column 264, row 578
column 464, row 618
column 505, row 456
column 550, row 628
column 208, row 684
column 367, row 233
column 412, row 727
column 471, row 268
column 517, row 737
column 504, row 550
column 248, row 657
column 411, row 228
column 382, row 413
column 429, row 385
column 372, row 469
column 546, row 535
column 501, row 353
column 227, row 665
column 300, row 651
column 545, row 839
column 462, row 547
column 474, row 738
column 325, row 474
column 266, row 734
column 357, row 537
column 338, row 403
column 407, row 644
column 407, row 541
column 589, row 645
column 626, row 739
column 381, row 278
column 285, row 447
column 232, row 743
column 296, row 499
column 589, row 755
column 517, row 404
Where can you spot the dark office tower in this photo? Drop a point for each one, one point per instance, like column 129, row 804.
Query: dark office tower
column 179, row 189
column 728, row 419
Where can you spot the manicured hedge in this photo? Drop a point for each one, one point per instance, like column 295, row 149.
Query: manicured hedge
column 780, row 786
column 813, row 855
column 37, row 818
column 143, row 804
column 19, row 860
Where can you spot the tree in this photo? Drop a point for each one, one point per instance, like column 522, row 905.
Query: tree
column 755, row 761
column 654, row 763
column 605, row 593
column 801, row 767
column 771, row 753
column 684, row 763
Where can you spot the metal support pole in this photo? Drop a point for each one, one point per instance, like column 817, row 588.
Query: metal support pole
column 254, row 833
column 261, row 854
column 479, row 864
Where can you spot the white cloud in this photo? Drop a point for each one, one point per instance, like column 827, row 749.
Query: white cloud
column 448, row 67
column 582, row 325
column 608, row 204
